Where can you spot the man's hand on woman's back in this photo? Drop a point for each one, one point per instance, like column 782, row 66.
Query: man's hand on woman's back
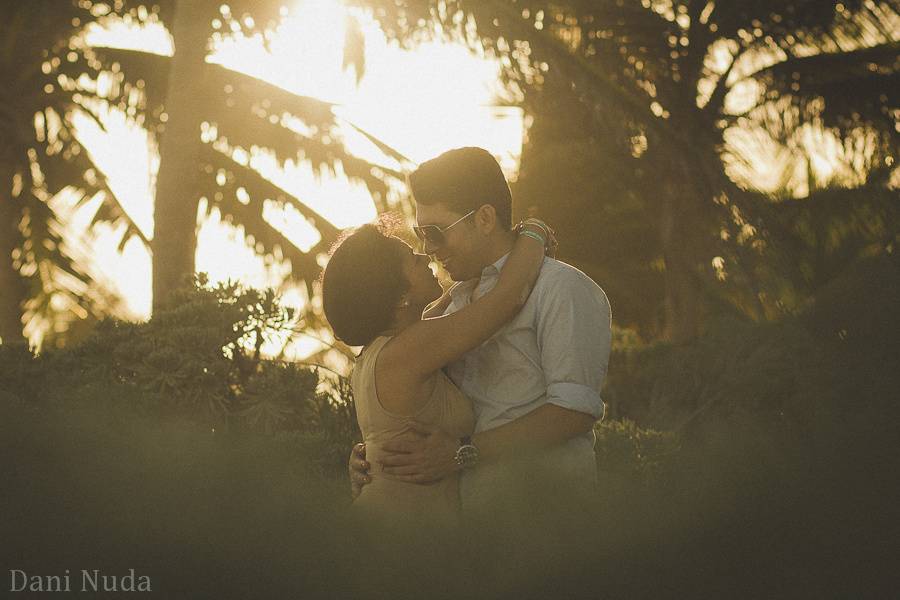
column 359, row 470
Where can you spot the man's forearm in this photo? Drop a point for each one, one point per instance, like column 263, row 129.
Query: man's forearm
column 546, row 426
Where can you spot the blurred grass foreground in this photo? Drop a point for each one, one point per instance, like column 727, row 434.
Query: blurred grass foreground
column 756, row 461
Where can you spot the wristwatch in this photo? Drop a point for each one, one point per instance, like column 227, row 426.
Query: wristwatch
column 467, row 454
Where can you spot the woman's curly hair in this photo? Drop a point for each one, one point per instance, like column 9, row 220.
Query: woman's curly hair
column 363, row 282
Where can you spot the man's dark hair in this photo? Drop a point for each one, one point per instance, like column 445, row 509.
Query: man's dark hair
column 362, row 284
column 462, row 180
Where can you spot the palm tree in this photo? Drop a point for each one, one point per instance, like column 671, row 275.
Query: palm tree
column 175, row 98
column 659, row 81
column 40, row 61
column 241, row 111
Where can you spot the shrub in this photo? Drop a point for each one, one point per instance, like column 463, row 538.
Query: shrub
column 197, row 360
column 624, row 449
column 773, row 371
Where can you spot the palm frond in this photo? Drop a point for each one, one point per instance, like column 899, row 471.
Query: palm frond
column 144, row 70
column 268, row 239
column 778, row 18
column 355, row 48
column 872, row 74
column 387, row 150
column 322, row 148
column 247, row 90
column 258, row 188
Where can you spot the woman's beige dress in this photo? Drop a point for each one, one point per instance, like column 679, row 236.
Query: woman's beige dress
column 447, row 409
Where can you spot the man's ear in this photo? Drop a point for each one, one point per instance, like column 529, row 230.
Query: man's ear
column 486, row 219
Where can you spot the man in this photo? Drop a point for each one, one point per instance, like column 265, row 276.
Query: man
column 536, row 384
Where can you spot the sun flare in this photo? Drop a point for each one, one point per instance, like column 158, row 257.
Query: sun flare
column 419, row 101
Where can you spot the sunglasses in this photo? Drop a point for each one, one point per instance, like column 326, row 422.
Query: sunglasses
column 434, row 235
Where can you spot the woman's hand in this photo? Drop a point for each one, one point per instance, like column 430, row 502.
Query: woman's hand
column 359, row 470
column 552, row 243
column 422, row 455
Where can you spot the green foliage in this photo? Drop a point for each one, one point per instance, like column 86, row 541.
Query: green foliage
column 740, row 489
column 198, row 361
column 47, row 279
column 771, row 370
column 628, row 451
column 641, row 160
column 21, row 373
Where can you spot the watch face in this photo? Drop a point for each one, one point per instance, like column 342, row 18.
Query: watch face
column 467, row 456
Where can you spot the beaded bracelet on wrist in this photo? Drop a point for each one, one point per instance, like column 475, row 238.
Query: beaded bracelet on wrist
column 537, row 223
column 534, row 235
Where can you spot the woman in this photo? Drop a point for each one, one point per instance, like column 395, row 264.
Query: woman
column 375, row 292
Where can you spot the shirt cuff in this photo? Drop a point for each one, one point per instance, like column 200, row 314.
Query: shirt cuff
column 576, row 396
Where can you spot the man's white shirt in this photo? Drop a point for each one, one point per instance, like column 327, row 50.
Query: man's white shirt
column 556, row 351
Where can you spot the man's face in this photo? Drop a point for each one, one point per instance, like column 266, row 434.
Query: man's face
column 460, row 251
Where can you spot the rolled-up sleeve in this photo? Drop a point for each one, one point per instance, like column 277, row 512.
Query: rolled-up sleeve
column 574, row 334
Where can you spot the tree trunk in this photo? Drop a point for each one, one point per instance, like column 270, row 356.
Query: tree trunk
column 13, row 290
column 684, row 301
column 175, row 240
column 687, row 229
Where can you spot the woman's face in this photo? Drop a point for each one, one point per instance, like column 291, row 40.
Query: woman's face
column 423, row 285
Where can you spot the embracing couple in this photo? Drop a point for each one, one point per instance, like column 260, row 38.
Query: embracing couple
column 490, row 387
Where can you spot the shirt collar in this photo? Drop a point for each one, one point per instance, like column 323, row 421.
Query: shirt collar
column 491, row 272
